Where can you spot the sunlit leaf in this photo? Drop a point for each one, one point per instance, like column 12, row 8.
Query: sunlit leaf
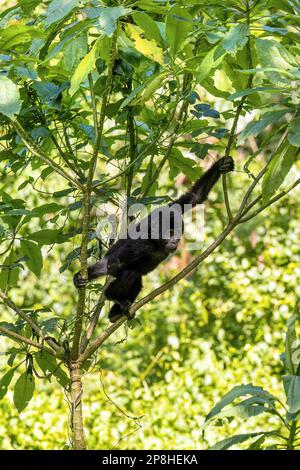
column 10, row 103
column 148, row 48
column 277, row 171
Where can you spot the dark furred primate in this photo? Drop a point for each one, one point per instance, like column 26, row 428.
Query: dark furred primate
column 148, row 244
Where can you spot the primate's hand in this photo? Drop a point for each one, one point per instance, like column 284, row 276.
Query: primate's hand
column 79, row 281
column 226, row 164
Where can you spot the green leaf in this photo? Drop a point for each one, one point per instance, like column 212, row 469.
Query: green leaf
column 5, row 381
column 178, row 25
column 44, row 237
column 48, row 365
column 58, row 9
column 85, row 66
column 74, row 51
column 255, row 127
column 148, row 48
column 292, row 358
column 34, row 256
column 292, row 390
column 272, row 54
column 210, row 62
column 148, row 25
column 236, row 392
column 184, row 164
column 109, row 16
column 294, row 132
column 237, row 439
column 277, row 171
column 236, row 38
column 23, row 391
column 10, row 103
column 17, row 34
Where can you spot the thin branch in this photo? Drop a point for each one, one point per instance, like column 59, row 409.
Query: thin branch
column 87, row 193
column 38, row 152
column 236, row 119
column 19, row 338
column 270, row 202
column 27, row 319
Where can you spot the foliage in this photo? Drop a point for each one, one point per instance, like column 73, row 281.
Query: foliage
column 98, row 100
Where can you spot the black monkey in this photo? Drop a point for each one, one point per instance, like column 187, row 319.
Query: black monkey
column 148, row 243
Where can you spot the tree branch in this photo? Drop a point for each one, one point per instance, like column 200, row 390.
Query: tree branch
column 236, row 118
column 87, row 193
column 19, row 338
column 35, row 327
column 32, row 147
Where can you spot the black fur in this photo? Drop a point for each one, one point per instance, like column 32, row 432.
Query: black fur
column 131, row 258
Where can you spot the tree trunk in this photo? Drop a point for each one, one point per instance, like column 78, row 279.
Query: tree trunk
column 78, row 438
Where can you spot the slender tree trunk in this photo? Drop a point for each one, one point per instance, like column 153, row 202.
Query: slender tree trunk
column 78, row 437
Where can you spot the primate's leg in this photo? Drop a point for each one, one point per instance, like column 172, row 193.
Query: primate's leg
column 123, row 290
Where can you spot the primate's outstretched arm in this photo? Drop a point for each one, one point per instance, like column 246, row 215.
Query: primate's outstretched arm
column 199, row 192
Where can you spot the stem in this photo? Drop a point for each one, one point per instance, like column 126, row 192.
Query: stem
column 236, row 119
column 87, row 194
column 35, row 327
column 78, row 438
column 38, row 152
column 290, row 443
column 19, row 338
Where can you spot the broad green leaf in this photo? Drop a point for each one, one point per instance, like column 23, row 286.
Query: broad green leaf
column 178, row 25
column 74, row 51
column 10, row 275
column 272, row 54
column 236, row 38
column 250, row 91
column 255, row 127
column 49, row 366
column 109, row 16
column 292, row 390
column 210, row 62
column 237, row 439
column 151, row 87
column 33, row 253
column 236, row 392
column 186, row 165
column 5, row 381
column 148, row 25
column 58, row 9
column 10, row 103
column 277, row 171
column 85, row 66
column 23, row 391
column 294, row 132
column 292, row 358
column 17, row 34
column 148, row 48
column 44, row 237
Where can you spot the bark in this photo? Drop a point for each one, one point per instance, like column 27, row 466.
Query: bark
column 78, row 437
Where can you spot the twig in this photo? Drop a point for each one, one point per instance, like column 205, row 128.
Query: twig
column 28, row 320
column 38, row 152
column 87, row 193
column 236, row 119
column 17, row 337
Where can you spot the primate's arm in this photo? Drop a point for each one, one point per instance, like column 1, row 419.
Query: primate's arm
column 199, row 192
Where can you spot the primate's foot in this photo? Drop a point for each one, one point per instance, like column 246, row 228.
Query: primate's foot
column 226, row 164
column 119, row 309
column 79, row 281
